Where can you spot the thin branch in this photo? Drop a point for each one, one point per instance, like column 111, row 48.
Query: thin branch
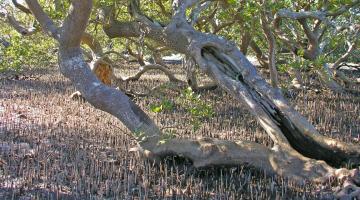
column 319, row 15
column 4, row 42
column 117, row 54
column 308, row 32
column 343, row 9
column 46, row 23
column 179, row 9
column 20, row 28
column 21, row 7
column 162, row 8
column 194, row 16
column 218, row 28
column 344, row 57
column 145, row 68
column 272, row 50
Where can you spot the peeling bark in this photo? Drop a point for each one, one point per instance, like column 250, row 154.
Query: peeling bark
column 101, row 65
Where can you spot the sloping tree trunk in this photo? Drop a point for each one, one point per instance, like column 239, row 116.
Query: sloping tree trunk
column 222, row 60
column 101, row 65
column 233, row 72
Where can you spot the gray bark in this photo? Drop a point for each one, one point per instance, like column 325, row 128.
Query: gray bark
column 233, row 72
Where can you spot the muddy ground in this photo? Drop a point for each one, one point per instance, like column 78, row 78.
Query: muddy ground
column 52, row 147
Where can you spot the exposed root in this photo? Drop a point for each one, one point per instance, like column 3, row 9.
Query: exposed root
column 144, row 69
column 133, row 94
column 327, row 79
column 351, row 184
column 77, row 96
column 201, row 88
column 208, row 152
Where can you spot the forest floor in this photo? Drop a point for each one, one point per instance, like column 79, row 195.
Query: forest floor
column 52, row 147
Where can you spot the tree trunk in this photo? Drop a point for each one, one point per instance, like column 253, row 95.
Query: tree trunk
column 223, row 61
column 327, row 78
column 233, row 72
column 245, row 42
column 272, row 50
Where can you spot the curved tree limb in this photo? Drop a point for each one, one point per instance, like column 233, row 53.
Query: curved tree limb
column 351, row 48
column 76, row 69
column 4, row 42
column 18, row 26
column 261, row 57
column 233, row 72
column 46, row 23
column 21, row 7
column 222, row 60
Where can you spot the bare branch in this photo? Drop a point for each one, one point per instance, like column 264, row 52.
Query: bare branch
column 179, row 9
column 4, row 42
column 46, row 23
column 196, row 12
column 93, row 44
column 246, row 38
column 134, row 10
column 18, row 27
column 21, row 7
column 205, row 19
column 218, row 28
column 343, row 9
column 286, row 13
column 308, row 32
column 145, row 68
column 117, row 54
column 352, row 47
column 75, row 23
column 209, row 152
column 262, row 58
column 162, row 8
